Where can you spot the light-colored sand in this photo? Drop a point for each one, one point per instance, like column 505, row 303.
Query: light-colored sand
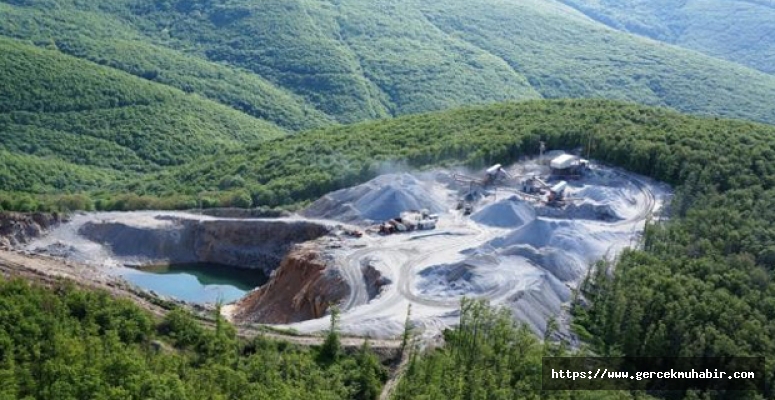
column 515, row 253
column 380, row 199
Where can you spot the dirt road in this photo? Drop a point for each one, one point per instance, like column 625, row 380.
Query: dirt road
column 49, row 271
column 554, row 243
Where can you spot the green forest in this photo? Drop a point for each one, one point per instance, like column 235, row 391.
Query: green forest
column 295, row 169
column 63, row 343
column 67, row 125
column 182, row 104
column 302, row 64
column 700, row 286
column 490, row 356
column 734, row 30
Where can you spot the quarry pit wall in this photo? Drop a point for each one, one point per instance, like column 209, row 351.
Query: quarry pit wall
column 254, row 244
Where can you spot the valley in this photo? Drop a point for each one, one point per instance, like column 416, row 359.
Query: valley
column 404, row 199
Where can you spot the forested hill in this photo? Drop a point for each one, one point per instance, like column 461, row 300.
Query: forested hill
column 653, row 141
column 298, row 168
column 700, row 286
column 303, row 64
column 741, row 31
column 67, row 124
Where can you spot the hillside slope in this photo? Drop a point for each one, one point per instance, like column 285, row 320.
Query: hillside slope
column 699, row 285
column 61, row 116
column 303, row 63
column 305, row 166
column 95, row 34
column 741, row 31
column 563, row 54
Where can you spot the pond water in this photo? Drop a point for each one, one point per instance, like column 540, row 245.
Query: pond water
column 197, row 283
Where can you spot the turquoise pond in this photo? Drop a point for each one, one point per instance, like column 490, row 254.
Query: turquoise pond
column 196, row 283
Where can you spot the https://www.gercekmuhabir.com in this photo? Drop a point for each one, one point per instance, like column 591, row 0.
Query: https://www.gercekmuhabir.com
column 601, row 373
column 672, row 374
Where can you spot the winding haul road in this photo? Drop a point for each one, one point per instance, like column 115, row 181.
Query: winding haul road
column 404, row 255
column 399, row 258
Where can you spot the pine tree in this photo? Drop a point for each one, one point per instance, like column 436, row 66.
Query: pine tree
column 369, row 383
column 331, row 346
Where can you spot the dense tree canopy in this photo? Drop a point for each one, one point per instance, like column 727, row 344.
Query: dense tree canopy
column 302, row 64
column 62, row 343
column 736, row 30
column 701, row 285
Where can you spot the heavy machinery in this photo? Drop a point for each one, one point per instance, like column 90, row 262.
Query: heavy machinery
column 540, row 190
column 533, row 187
column 468, row 208
column 495, row 174
column 409, row 221
column 492, row 176
column 568, row 165
column 465, row 206
column 556, row 193
column 477, row 187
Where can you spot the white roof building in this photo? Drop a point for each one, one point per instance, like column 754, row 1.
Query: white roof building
column 564, row 161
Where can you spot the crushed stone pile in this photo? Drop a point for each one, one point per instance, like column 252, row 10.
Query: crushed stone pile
column 469, row 276
column 382, row 198
column 509, row 213
column 589, row 211
column 611, row 198
column 564, row 248
column 536, row 305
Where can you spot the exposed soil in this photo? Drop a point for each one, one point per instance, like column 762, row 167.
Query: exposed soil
column 17, row 228
column 512, row 250
column 52, row 272
column 302, row 288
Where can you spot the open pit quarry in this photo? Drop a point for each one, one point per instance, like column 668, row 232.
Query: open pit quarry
column 507, row 246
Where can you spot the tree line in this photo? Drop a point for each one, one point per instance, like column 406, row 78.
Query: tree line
column 63, row 343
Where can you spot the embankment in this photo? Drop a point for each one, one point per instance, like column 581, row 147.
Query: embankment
column 302, row 288
column 17, row 228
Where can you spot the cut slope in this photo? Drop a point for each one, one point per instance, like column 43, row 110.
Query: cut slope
column 152, row 238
